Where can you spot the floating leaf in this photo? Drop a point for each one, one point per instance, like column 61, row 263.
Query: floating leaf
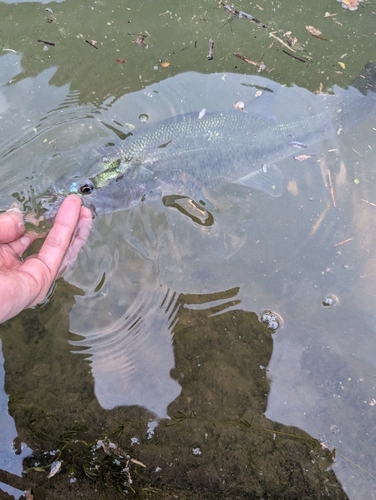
column 342, row 64
column 121, row 61
column 165, row 64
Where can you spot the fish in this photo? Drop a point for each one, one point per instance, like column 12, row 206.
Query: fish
column 192, row 155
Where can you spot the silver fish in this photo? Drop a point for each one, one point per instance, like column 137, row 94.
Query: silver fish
column 190, row 156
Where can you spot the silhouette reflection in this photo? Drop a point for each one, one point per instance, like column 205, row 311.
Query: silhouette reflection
column 216, row 441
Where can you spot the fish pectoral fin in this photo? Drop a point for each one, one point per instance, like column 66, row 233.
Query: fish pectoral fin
column 267, row 179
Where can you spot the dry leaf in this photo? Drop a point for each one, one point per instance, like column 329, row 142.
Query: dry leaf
column 122, row 61
column 350, row 4
column 313, row 31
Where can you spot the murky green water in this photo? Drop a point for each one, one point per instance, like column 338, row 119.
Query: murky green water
column 158, row 322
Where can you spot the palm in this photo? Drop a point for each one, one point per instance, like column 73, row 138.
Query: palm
column 24, row 284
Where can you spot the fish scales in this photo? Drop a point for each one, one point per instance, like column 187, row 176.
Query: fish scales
column 188, row 155
column 234, row 142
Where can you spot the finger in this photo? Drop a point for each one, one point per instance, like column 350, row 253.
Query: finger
column 11, row 225
column 79, row 239
column 59, row 238
column 23, row 243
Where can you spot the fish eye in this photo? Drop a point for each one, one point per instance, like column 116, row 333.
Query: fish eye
column 86, row 188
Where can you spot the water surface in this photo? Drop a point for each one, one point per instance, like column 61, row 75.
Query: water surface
column 160, row 316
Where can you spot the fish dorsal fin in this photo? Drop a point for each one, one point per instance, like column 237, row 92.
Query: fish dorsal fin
column 267, row 179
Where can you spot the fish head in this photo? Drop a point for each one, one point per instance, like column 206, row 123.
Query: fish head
column 119, row 193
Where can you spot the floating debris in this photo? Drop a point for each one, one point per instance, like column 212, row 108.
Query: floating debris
column 241, row 13
column 331, row 189
column 202, row 113
column 315, row 32
column 291, row 41
column 55, row 468
column 350, row 4
column 302, row 157
column 261, row 66
column 47, row 43
column 165, row 64
column 296, row 144
column 330, row 300
column 93, row 43
column 121, row 61
column 272, row 320
column 239, row 105
column 209, row 57
column 369, row 203
column 294, row 57
column 342, row 242
column 139, row 39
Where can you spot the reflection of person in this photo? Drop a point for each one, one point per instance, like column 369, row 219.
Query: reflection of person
column 25, row 283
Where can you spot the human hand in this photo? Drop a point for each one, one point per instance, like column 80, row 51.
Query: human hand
column 25, row 284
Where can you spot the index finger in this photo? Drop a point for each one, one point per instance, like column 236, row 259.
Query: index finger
column 59, row 238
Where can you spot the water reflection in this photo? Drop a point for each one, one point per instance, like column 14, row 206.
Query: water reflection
column 132, row 358
column 12, row 450
column 216, row 425
column 142, row 316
